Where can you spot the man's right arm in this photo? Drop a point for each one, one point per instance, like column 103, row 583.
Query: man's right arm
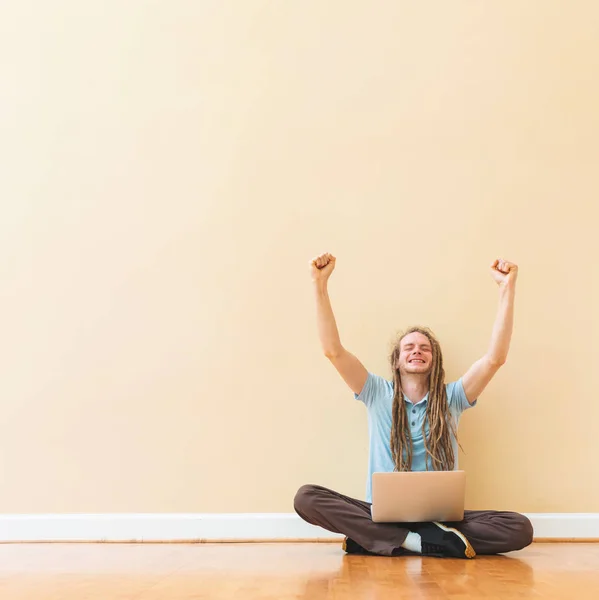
column 348, row 366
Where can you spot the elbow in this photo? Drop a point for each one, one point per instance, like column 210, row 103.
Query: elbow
column 497, row 361
column 332, row 353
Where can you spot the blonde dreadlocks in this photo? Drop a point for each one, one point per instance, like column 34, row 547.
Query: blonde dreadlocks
column 437, row 444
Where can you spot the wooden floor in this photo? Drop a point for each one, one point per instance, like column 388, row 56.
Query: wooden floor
column 286, row 571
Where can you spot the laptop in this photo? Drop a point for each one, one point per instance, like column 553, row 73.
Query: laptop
column 418, row 496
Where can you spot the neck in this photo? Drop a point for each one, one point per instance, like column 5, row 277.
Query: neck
column 415, row 386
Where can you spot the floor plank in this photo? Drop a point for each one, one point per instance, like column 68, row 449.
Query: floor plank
column 288, row 571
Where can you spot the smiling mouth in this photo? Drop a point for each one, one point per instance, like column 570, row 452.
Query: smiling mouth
column 417, row 360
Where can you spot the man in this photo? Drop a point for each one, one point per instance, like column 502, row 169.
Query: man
column 412, row 427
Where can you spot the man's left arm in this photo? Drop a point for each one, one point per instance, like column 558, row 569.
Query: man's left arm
column 482, row 371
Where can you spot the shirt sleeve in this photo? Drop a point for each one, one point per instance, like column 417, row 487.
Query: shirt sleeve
column 456, row 398
column 376, row 387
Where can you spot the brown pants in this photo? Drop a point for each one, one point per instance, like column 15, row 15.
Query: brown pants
column 488, row 531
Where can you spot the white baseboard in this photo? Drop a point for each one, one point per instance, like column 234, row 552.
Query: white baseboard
column 238, row 527
column 575, row 526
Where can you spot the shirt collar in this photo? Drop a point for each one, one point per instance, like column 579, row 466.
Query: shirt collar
column 423, row 401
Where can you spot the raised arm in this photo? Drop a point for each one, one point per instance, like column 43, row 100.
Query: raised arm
column 349, row 367
column 482, row 371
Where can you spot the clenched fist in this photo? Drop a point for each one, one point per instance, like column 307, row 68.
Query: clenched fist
column 504, row 272
column 322, row 266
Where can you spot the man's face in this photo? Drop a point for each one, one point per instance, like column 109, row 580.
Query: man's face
column 416, row 354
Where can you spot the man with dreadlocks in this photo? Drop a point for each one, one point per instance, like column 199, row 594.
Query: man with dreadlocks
column 412, row 424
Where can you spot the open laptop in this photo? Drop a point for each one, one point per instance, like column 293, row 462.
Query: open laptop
column 417, row 496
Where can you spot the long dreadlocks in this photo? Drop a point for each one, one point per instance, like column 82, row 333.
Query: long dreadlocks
column 438, row 442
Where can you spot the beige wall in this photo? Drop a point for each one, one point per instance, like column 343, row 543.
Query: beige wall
column 169, row 168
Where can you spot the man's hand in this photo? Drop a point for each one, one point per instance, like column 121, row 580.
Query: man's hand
column 322, row 266
column 503, row 272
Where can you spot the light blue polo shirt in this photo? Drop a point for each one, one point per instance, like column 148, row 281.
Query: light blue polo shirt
column 377, row 395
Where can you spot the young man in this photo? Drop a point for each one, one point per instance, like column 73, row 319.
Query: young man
column 412, row 427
